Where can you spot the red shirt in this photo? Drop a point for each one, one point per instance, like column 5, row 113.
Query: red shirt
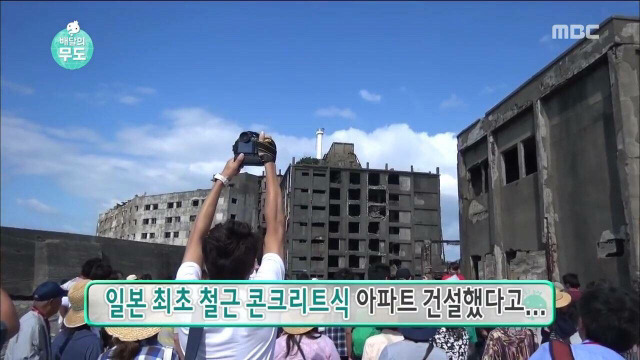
column 575, row 294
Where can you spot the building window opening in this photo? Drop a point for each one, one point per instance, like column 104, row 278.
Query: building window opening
column 374, row 228
column 476, row 178
column 374, row 179
column 354, row 209
column 334, row 177
column 377, row 196
column 530, row 159
column 334, row 210
column 334, row 194
column 374, row 245
column 354, row 178
column 511, row 165
column 354, row 194
column 354, row 245
column 394, row 179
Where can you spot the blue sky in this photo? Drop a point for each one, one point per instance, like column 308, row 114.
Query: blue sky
column 171, row 83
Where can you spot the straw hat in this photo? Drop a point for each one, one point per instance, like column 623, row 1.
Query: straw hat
column 75, row 316
column 132, row 333
column 562, row 297
column 297, row 330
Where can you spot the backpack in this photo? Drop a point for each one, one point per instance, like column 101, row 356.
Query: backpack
column 560, row 350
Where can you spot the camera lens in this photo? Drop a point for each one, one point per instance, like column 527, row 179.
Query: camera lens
column 245, row 137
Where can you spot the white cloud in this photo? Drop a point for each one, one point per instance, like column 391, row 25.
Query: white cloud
column 115, row 92
column 490, row 89
column 545, row 39
column 129, row 100
column 369, row 96
column 146, row 90
column 333, row 111
column 37, row 206
column 452, row 102
column 15, row 87
column 184, row 147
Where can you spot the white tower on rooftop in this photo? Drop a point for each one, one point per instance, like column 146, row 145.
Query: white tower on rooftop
column 319, row 134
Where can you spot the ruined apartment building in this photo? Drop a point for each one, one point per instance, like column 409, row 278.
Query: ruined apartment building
column 342, row 215
column 168, row 218
column 548, row 179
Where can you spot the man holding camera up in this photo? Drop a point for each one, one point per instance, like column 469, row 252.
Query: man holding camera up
column 228, row 252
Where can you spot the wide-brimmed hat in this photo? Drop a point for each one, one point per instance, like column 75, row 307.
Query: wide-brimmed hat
column 75, row 316
column 418, row 334
column 132, row 333
column 562, row 297
column 297, row 330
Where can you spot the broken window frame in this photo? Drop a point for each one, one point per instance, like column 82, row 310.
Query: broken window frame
column 525, row 168
column 503, row 155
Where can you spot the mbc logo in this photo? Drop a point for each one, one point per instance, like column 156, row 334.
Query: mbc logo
column 573, row 31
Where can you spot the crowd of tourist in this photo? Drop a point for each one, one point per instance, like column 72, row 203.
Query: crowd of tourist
column 601, row 322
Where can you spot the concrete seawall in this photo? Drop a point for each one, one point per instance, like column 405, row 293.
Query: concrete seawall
column 29, row 257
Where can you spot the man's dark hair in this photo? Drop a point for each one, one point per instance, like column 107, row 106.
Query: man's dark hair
column 145, row 277
column 610, row 317
column 454, row 266
column 101, row 271
column 571, row 280
column 303, row 276
column 344, row 274
column 260, row 253
column 379, row 272
column 230, row 250
column 88, row 266
column 598, row 283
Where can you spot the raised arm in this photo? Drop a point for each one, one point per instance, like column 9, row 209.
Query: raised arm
column 193, row 251
column 273, row 208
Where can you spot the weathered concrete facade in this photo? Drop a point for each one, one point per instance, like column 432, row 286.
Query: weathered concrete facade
column 167, row 218
column 342, row 215
column 549, row 178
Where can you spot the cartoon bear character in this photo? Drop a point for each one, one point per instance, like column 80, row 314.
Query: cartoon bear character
column 73, row 28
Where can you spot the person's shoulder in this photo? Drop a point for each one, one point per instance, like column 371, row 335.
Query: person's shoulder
column 271, row 268
column 594, row 351
column 189, row 271
column 542, row 353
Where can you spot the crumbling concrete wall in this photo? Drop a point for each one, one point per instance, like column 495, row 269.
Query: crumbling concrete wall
column 580, row 206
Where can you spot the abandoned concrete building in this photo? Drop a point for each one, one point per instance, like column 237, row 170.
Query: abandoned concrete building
column 549, row 177
column 343, row 215
column 167, row 218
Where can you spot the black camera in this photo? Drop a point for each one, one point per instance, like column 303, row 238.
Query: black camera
column 247, row 144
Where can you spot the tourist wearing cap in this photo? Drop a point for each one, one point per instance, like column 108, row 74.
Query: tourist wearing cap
column 304, row 344
column 133, row 343
column 417, row 344
column 33, row 341
column 76, row 340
